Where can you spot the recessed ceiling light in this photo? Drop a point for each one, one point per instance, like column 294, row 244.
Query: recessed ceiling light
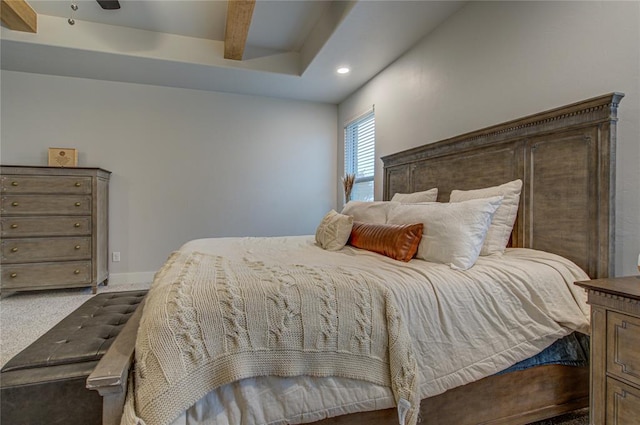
column 343, row 70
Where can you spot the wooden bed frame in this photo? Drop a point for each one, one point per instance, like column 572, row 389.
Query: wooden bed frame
column 566, row 160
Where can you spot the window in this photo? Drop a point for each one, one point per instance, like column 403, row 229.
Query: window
column 359, row 155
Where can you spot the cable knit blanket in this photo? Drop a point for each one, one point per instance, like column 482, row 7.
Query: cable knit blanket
column 212, row 321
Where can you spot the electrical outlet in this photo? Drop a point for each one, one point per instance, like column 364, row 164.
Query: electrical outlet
column 115, row 256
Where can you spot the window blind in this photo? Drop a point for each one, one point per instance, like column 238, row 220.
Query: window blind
column 359, row 155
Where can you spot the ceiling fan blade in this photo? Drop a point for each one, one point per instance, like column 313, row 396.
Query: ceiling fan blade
column 109, row 4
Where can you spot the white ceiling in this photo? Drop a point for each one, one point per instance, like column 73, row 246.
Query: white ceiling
column 293, row 47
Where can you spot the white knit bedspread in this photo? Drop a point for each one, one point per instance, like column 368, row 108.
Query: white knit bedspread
column 465, row 325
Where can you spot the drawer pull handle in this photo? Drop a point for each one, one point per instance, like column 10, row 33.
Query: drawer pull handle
column 76, row 225
column 13, row 275
column 78, row 184
column 77, row 247
column 14, row 249
column 76, row 271
column 77, row 204
column 14, row 204
column 14, row 226
column 14, row 183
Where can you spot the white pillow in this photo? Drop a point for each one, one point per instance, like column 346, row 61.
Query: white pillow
column 334, row 231
column 430, row 195
column 369, row 212
column 453, row 232
column 502, row 224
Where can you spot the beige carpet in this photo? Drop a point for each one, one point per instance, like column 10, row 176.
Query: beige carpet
column 26, row 316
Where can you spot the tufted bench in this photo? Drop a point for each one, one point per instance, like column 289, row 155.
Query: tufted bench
column 45, row 383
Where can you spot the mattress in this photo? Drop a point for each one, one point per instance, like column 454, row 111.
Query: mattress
column 464, row 325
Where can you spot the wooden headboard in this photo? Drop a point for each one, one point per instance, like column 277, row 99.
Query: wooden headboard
column 566, row 160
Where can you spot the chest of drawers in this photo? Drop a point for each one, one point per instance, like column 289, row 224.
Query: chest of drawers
column 54, row 227
column 615, row 350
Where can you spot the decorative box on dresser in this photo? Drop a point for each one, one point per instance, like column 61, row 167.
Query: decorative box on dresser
column 54, row 227
column 615, row 350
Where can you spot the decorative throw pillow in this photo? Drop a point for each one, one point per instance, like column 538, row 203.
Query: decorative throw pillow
column 397, row 241
column 412, row 198
column 453, row 232
column 369, row 212
column 502, row 223
column 334, row 230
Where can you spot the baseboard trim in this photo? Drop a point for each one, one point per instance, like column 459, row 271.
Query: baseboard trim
column 124, row 278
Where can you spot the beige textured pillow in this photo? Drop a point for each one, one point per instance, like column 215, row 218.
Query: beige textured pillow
column 430, row 195
column 333, row 232
column 369, row 212
column 500, row 230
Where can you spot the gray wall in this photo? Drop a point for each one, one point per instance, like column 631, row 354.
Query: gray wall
column 496, row 61
column 189, row 164
column 186, row 164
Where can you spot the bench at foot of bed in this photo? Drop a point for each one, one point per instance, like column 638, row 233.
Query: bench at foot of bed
column 46, row 382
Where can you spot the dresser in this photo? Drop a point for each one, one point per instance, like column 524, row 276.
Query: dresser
column 54, row 230
column 615, row 350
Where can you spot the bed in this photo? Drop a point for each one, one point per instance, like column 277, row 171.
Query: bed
column 564, row 222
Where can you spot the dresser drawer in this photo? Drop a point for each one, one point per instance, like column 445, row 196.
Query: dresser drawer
column 44, row 226
column 623, row 342
column 46, row 184
column 53, row 227
column 35, row 250
column 45, row 204
column 42, row 275
column 623, row 403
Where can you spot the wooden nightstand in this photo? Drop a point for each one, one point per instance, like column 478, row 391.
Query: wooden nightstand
column 615, row 350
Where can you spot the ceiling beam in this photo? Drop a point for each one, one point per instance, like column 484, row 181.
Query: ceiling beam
column 18, row 15
column 239, row 13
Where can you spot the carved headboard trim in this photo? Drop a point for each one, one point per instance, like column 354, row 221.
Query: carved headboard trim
column 566, row 160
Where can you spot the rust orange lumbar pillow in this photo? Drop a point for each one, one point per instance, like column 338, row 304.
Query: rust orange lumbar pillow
column 397, row 241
